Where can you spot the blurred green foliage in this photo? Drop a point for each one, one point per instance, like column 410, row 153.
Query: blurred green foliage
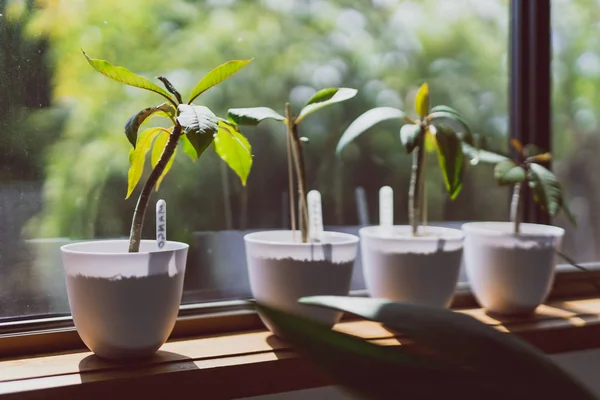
column 384, row 48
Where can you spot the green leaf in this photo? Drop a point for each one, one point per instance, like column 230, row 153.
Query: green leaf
column 137, row 157
column 253, row 116
column 123, row 75
column 430, row 145
column 234, row 149
column 324, row 98
column 157, row 149
column 454, row 121
column 468, row 343
column 422, row 101
column 547, row 191
column 410, row 135
column 133, row 123
column 393, row 372
column 188, row 148
column 478, row 155
column 366, row 121
column 200, row 126
column 450, row 158
column 445, row 109
column 508, row 173
column 217, row 75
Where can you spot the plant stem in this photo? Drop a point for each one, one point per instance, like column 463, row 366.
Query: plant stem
column 291, row 181
column 423, row 179
column 414, row 202
column 515, row 207
column 300, row 171
column 135, row 236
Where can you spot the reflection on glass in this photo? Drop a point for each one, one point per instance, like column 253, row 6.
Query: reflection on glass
column 63, row 155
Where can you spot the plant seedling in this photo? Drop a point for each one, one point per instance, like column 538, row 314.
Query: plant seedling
column 525, row 168
column 439, row 129
column 195, row 127
column 253, row 116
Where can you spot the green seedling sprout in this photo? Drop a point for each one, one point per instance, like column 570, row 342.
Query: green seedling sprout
column 253, row 116
column 440, row 129
column 525, row 170
column 195, row 127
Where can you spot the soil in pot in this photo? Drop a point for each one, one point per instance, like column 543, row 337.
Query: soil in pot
column 124, row 317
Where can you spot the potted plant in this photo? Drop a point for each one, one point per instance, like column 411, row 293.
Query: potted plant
column 416, row 263
column 511, row 264
column 124, row 295
column 284, row 265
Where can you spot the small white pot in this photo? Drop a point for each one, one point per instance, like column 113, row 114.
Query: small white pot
column 124, row 305
column 282, row 270
column 419, row 269
column 511, row 273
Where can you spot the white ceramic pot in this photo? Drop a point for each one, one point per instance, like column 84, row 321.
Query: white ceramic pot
column 282, row 270
column 124, row 305
column 419, row 269
column 511, row 273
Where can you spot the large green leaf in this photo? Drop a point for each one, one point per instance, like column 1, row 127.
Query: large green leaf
column 422, row 101
column 445, row 109
column 454, row 121
column 123, row 75
column 509, row 173
column 468, row 343
column 200, row 126
column 478, row 155
column 324, row 98
column 366, row 121
column 157, row 150
column 377, row 372
column 234, row 149
column 133, row 124
column 411, row 136
column 137, row 157
column 217, row 75
column 547, row 191
column 253, row 116
column 450, row 158
column 188, row 147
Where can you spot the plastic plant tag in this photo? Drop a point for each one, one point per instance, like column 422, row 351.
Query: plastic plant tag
column 315, row 216
column 386, row 209
column 161, row 223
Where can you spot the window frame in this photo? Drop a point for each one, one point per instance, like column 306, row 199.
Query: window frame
column 529, row 121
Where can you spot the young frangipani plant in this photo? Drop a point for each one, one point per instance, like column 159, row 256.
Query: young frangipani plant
column 438, row 129
column 525, row 170
column 195, row 127
column 253, row 116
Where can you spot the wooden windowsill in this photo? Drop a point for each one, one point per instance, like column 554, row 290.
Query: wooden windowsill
column 255, row 363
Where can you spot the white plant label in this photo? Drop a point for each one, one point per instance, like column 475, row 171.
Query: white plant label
column 386, row 209
column 161, row 223
column 315, row 216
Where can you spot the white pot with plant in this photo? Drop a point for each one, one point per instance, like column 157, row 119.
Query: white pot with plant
column 124, row 295
column 415, row 263
column 511, row 265
column 284, row 266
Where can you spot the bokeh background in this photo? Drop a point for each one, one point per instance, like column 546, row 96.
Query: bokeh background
column 64, row 157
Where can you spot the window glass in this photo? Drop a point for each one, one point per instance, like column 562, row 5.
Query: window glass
column 575, row 129
column 64, row 157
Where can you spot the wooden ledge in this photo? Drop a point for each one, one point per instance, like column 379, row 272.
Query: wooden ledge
column 256, row 363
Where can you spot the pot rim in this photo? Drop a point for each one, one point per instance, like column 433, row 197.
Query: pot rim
column 497, row 228
column 72, row 248
column 344, row 238
column 373, row 231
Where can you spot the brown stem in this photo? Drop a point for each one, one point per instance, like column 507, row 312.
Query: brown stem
column 291, row 180
column 423, row 179
column 414, row 202
column 135, row 236
column 515, row 207
column 300, row 171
